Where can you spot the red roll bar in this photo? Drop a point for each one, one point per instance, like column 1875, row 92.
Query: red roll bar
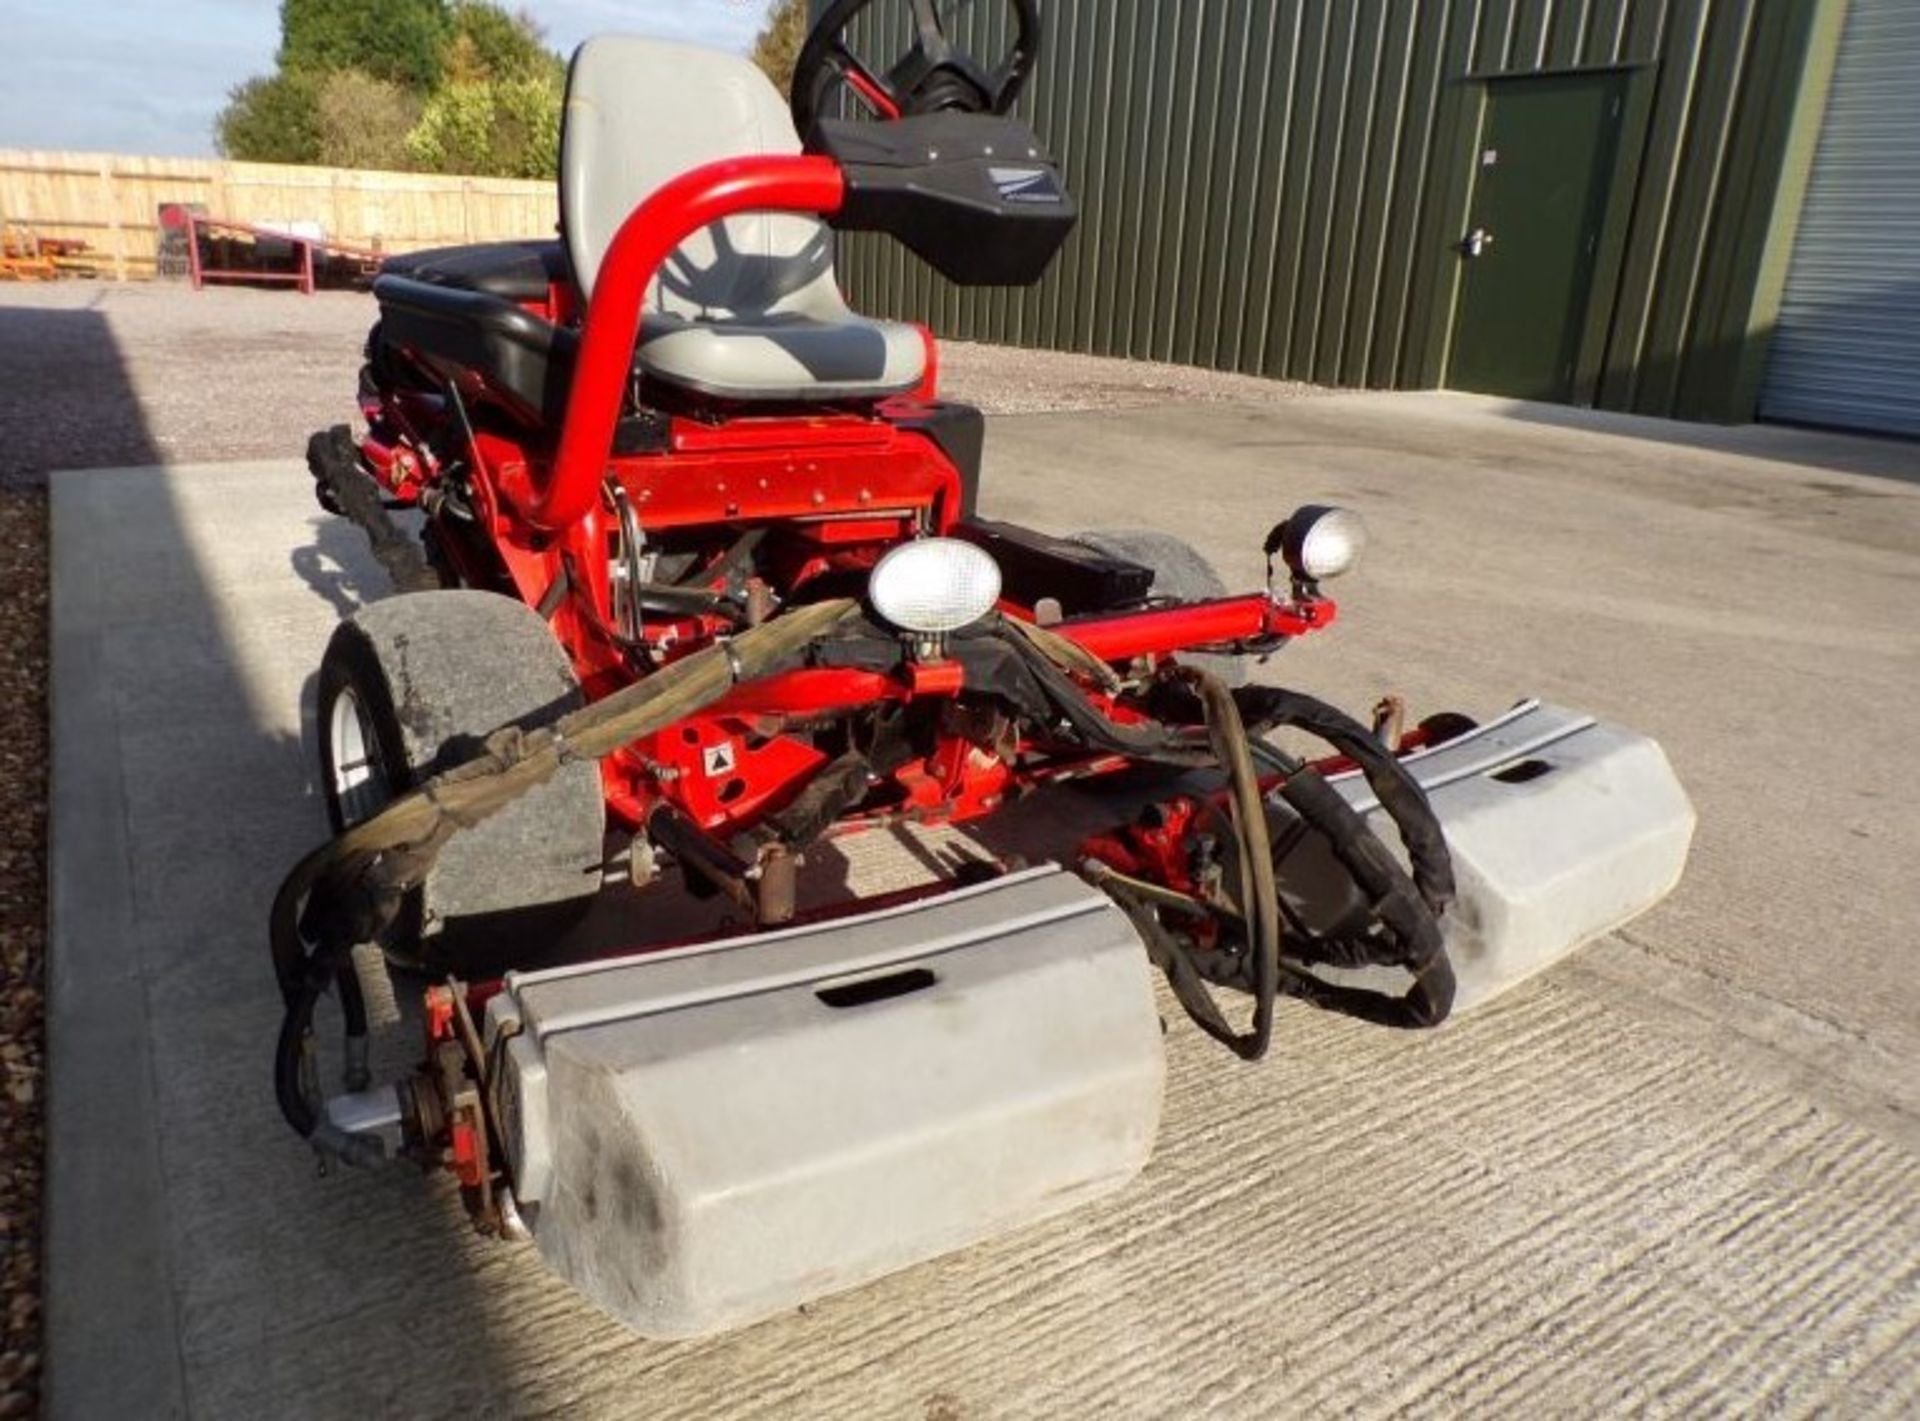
column 651, row 234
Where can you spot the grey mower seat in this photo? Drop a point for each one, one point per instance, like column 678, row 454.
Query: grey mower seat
column 748, row 309
column 784, row 355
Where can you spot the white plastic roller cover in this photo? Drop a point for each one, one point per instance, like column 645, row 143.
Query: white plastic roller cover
column 1561, row 827
column 702, row 1139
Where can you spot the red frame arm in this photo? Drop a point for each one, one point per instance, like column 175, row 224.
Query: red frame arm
column 651, row 234
column 1164, row 630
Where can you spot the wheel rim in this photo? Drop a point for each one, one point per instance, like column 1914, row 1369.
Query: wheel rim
column 358, row 784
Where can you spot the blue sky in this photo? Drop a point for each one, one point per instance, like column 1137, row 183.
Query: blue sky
column 147, row 76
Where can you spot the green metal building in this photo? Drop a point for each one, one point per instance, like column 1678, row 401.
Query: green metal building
column 1587, row 201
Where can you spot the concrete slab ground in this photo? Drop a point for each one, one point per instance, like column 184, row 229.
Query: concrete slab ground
column 1679, row 1173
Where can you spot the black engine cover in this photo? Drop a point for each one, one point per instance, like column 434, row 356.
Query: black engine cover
column 1034, row 565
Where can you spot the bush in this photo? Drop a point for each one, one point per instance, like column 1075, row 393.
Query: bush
column 493, row 128
column 364, row 121
column 272, row 120
column 777, row 49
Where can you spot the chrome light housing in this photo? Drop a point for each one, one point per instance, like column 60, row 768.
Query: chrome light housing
column 1319, row 542
column 934, row 586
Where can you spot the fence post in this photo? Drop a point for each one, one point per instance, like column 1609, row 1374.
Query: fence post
column 193, row 251
column 112, row 209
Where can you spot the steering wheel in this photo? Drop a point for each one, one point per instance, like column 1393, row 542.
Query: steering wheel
column 931, row 77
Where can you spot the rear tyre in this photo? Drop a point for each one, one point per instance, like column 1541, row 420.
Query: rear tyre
column 1180, row 573
column 410, row 687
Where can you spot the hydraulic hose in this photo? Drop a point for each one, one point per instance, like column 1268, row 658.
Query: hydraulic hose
column 1266, row 707
column 1141, row 900
column 1404, row 909
column 1228, row 734
column 353, row 1008
column 1408, row 909
column 1411, row 925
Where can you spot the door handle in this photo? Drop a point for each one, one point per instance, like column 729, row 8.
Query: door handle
column 1475, row 243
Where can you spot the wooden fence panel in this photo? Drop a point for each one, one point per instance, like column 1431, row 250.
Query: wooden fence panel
column 112, row 202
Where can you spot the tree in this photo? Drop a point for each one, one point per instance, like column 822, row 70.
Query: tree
column 364, row 121
column 272, row 120
column 498, row 111
column 508, row 129
column 499, row 45
column 402, row 41
column 777, row 48
column 453, row 86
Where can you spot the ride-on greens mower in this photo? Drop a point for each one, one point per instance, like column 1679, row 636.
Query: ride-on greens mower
column 701, row 587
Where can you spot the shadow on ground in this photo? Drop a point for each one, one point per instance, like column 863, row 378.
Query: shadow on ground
column 182, row 794
column 67, row 399
column 1830, row 451
column 57, row 374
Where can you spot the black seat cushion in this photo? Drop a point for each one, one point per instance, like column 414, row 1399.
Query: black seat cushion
column 514, row 271
column 527, row 360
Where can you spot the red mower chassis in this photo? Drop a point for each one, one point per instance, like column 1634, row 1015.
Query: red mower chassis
column 696, row 590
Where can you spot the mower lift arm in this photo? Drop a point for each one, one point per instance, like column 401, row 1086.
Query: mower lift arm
column 654, row 231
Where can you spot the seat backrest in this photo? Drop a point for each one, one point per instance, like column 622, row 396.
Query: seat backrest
column 639, row 113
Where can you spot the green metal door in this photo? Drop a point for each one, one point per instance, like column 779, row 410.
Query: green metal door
column 1543, row 172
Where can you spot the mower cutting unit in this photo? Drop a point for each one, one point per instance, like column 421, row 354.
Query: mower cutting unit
column 699, row 586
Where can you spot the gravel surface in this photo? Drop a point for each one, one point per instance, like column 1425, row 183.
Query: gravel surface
column 96, row 375
column 1005, row 381
column 100, row 375
column 23, row 819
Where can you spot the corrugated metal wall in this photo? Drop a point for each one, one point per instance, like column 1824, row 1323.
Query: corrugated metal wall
column 1273, row 185
column 1848, row 348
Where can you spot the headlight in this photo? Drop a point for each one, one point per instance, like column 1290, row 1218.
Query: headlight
column 1320, row 542
column 935, row 585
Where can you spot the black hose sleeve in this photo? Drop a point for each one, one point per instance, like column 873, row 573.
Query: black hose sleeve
column 289, row 1059
column 1412, row 937
column 1265, row 707
column 296, row 1030
column 353, row 1007
column 334, row 463
column 1396, row 902
column 1426, row 1004
column 360, row 898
